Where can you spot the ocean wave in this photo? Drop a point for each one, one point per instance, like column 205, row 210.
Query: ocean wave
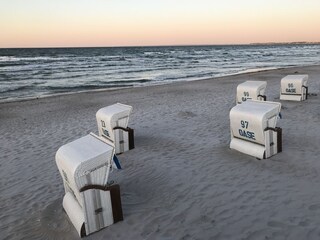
column 120, row 71
column 15, row 89
column 252, row 70
column 112, row 58
column 17, row 59
column 63, row 70
column 153, row 53
column 10, row 64
column 128, row 81
column 85, row 87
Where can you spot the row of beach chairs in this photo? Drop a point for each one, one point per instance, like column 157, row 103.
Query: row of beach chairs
column 253, row 123
column 84, row 164
column 293, row 88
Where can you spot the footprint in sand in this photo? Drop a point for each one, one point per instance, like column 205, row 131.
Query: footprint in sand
column 304, row 223
column 314, row 207
column 186, row 114
column 276, row 224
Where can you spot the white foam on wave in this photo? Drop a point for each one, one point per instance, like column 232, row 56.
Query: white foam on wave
column 15, row 59
column 253, row 70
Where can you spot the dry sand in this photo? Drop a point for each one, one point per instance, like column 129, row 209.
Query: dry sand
column 181, row 181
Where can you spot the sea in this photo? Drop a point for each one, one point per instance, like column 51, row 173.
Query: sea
column 38, row 72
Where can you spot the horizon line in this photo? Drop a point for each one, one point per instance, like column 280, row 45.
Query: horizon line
column 175, row 45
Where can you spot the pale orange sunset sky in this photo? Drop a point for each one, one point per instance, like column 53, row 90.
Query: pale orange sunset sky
column 75, row 23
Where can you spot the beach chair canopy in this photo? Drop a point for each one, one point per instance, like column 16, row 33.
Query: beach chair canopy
column 253, row 90
column 294, row 87
column 116, row 115
column 85, row 161
column 253, row 128
column 90, row 203
column 249, row 120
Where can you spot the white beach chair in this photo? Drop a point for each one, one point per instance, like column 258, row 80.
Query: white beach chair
column 294, row 88
column 253, row 128
column 113, row 126
column 84, row 165
column 253, row 90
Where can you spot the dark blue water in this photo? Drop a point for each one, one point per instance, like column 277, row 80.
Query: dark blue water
column 36, row 72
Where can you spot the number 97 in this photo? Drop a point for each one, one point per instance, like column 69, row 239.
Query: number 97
column 244, row 124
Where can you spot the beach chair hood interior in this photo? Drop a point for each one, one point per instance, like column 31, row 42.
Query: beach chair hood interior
column 253, row 128
column 84, row 165
column 294, row 88
column 113, row 126
column 254, row 90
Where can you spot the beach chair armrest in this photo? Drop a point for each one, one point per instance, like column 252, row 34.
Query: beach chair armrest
column 263, row 96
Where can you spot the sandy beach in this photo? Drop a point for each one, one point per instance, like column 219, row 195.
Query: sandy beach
column 181, row 181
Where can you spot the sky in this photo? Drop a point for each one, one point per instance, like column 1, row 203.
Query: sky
column 90, row 23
